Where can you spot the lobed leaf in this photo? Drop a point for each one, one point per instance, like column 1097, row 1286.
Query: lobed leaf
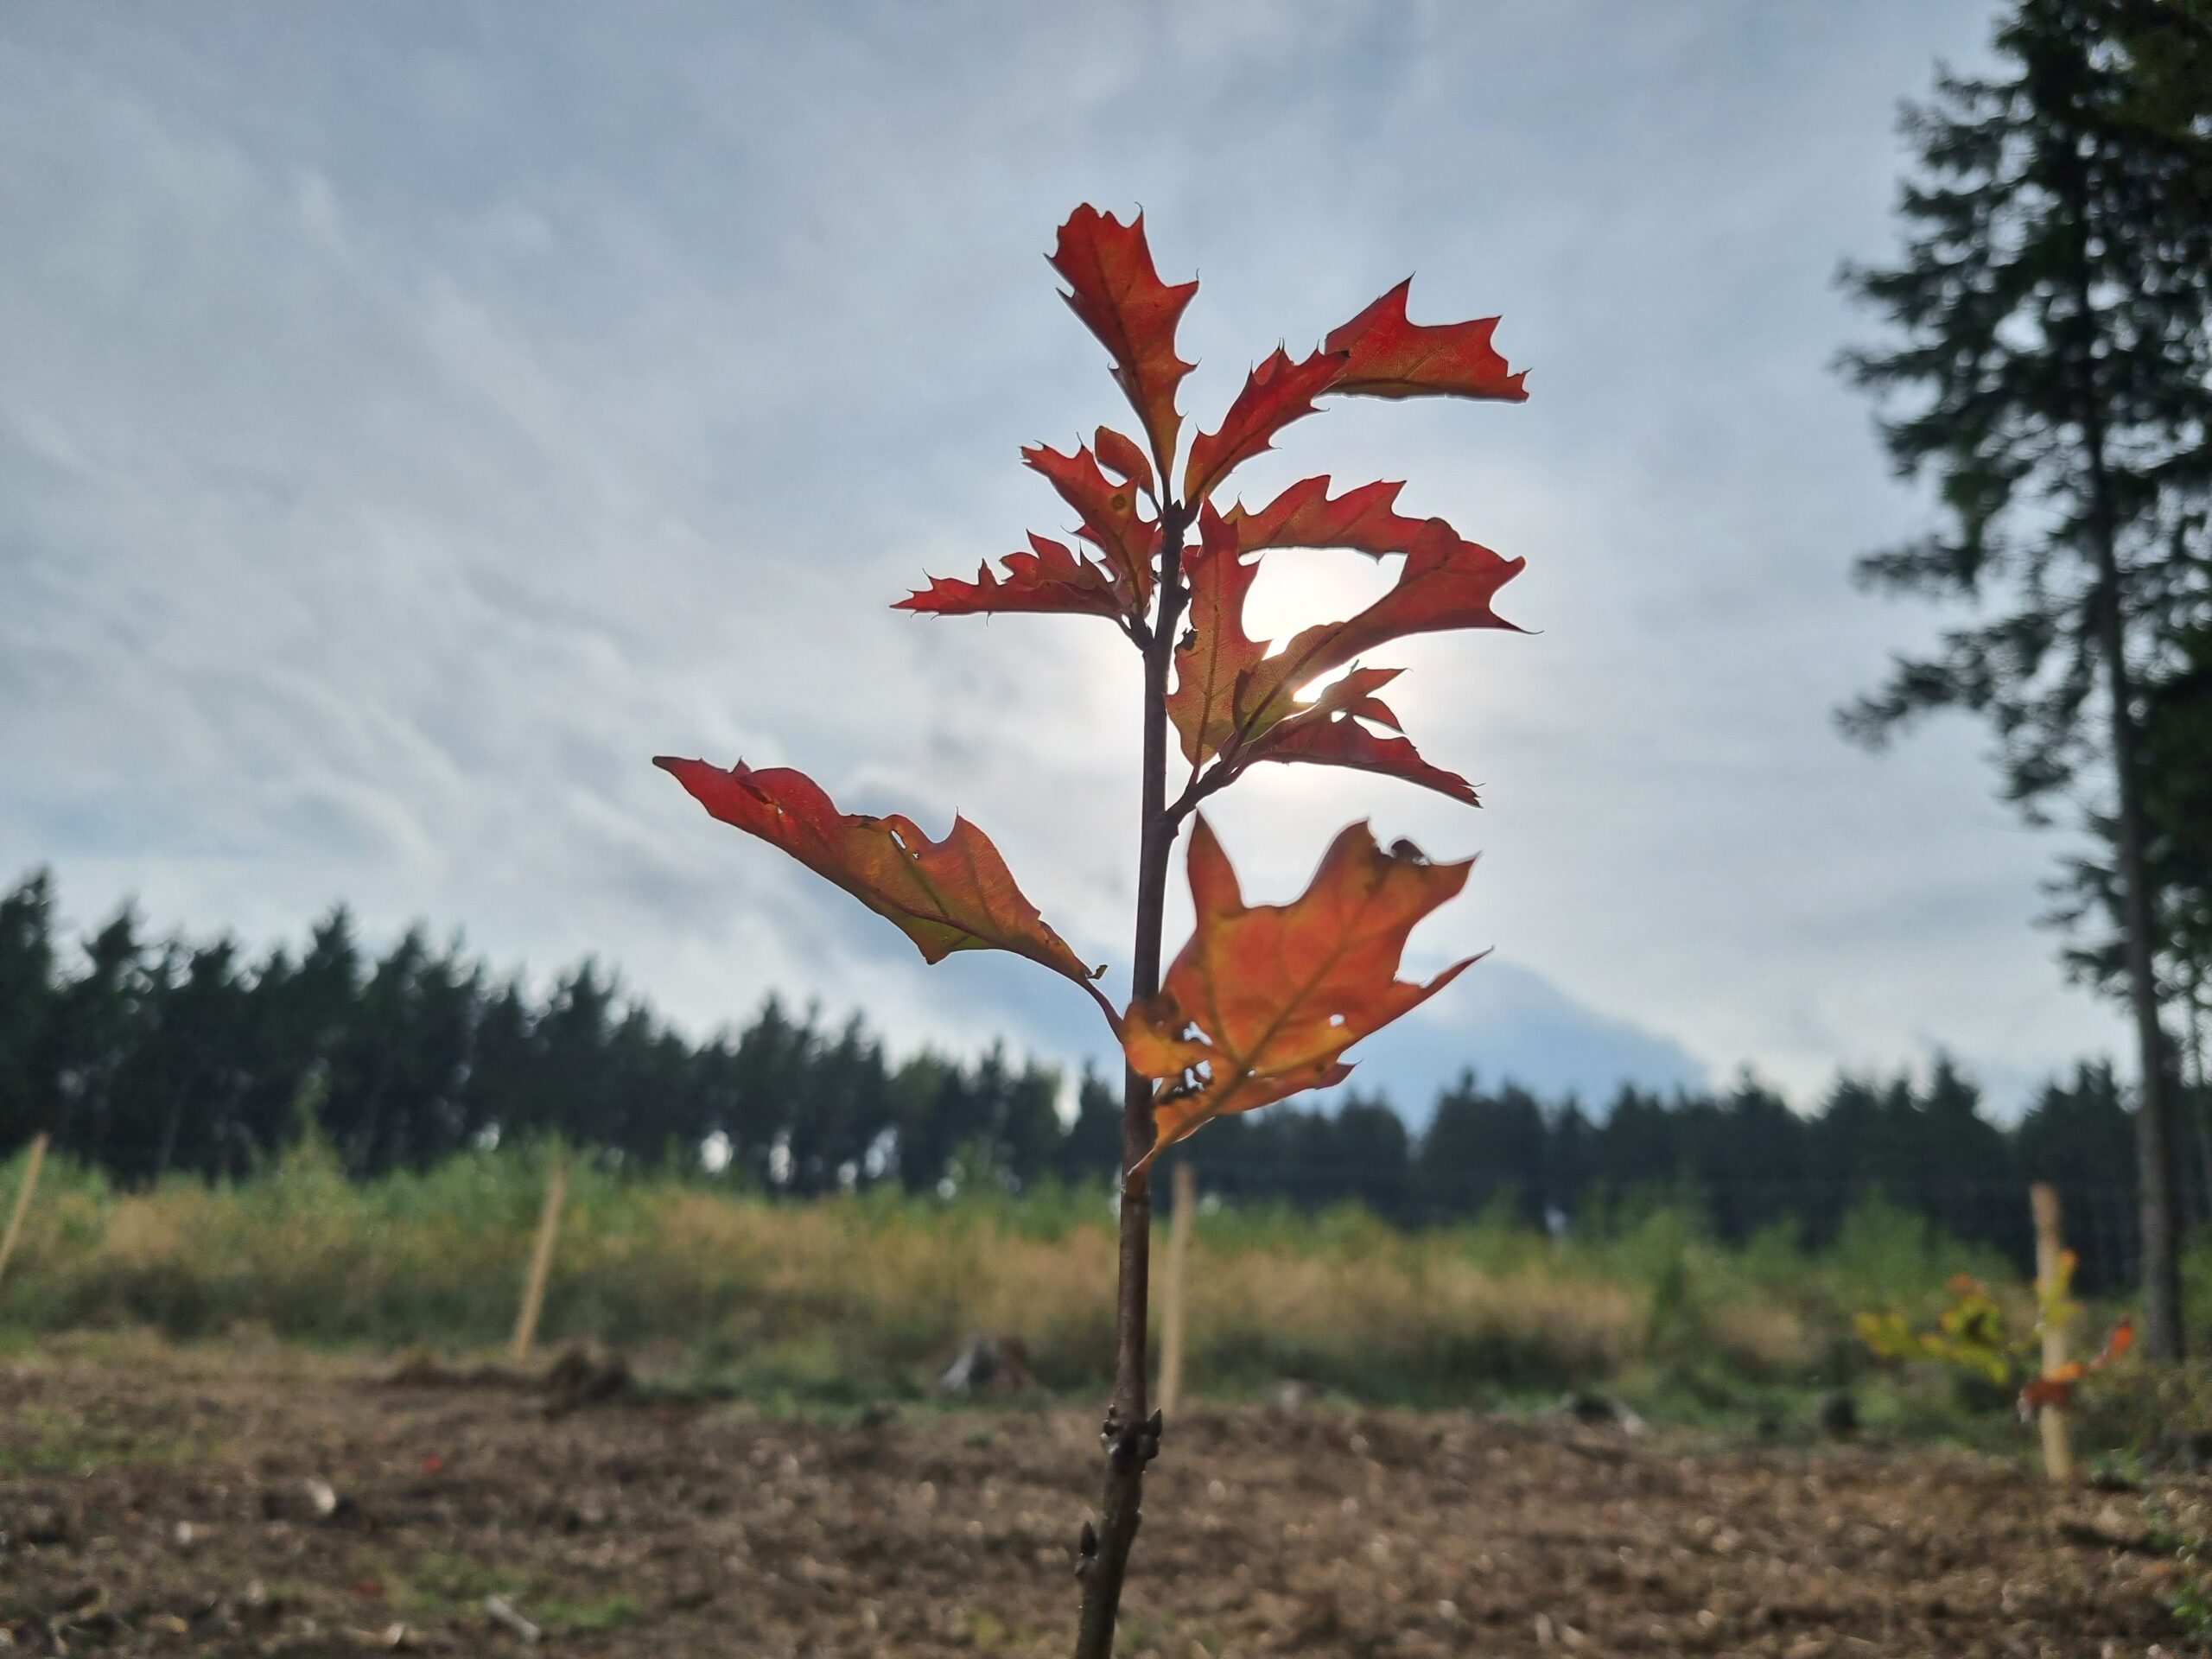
column 1263, row 1001
column 1274, row 394
column 953, row 894
column 1379, row 354
column 1120, row 456
column 1333, row 730
column 1339, row 739
column 1112, row 521
column 1388, row 356
column 1050, row 578
column 1232, row 699
column 1114, row 288
column 1365, row 519
column 1448, row 583
column 1215, row 654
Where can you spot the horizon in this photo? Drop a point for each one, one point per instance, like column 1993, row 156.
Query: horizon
column 1417, row 1109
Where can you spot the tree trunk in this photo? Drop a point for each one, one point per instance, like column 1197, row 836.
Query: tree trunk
column 2162, row 1327
column 2198, row 1091
column 1130, row 1435
column 2154, row 1163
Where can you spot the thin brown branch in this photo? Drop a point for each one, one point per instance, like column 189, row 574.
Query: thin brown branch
column 1218, row 777
column 1130, row 1436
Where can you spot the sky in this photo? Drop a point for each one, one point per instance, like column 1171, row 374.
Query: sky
column 414, row 417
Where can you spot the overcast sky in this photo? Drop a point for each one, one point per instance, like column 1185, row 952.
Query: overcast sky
column 413, row 417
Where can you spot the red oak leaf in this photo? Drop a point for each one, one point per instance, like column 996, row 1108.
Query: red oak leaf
column 1229, row 692
column 1050, row 577
column 1120, row 456
column 1264, row 999
column 1303, row 515
column 1217, row 654
column 1118, row 294
column 1389, row 357
column 1341, row 740
column 1277, row 393
column 1111, row 520
column 1448, row 583
column 1330, row 731
column 954, row 894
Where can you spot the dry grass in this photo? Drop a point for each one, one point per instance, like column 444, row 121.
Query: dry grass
column 860, row 1295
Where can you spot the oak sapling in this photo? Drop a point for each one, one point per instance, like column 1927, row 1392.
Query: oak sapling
column 1263, row 999
column 1974, row 1336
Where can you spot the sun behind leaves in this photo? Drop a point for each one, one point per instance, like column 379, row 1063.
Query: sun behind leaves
column 1264, row 1000
column 1235, row 700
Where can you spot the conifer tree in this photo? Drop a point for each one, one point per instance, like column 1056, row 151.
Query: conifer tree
column 26, row 1007
column 2056, row 373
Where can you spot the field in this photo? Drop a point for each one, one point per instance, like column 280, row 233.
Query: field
column 256, row 1418
column 159, row 1501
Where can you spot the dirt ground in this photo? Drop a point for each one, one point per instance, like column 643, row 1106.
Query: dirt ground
column 277, row 1503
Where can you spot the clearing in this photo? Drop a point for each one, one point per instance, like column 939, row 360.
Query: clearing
column 164, row 1501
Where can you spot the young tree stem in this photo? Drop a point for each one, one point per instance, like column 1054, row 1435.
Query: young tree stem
column 1130, row 1439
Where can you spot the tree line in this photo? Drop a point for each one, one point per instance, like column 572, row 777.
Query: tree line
column 154, row 1055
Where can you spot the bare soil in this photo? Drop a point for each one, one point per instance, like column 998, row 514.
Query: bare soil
column 159, row 1503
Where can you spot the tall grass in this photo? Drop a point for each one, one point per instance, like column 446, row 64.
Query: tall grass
column 866, row 1294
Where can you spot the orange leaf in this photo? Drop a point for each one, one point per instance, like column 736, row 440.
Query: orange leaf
column 1264, row 999
column 1111, row 520
column 1277, row 393
column 1217, row 653
column 954, row 894
column 1049, row 578
column 1448, row 583
column 1303, row 515
column 1229, row 693
column 1121, row 456
column 1329, row 732
column 1390, row 356
column 1118, row 294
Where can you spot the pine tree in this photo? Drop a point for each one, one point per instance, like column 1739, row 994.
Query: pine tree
column 27, row 996
column 2052, row 304
column 1480, row 1147
column 101, row 1019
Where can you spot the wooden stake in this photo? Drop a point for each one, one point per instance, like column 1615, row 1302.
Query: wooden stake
column 32, row 1165
column 1172, row 1301
column 2057, row 1439
column 541, row 1259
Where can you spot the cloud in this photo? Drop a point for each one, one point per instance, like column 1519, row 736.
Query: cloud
column 410, row 423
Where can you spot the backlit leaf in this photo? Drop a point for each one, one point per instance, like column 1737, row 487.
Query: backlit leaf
column 953, row 894
column 1365, row 519
column 1448, row 583
column 1333, row 729
column 1341, row 740
column 1121, row 456
column 1112, row 521
column 1217, row 653
column 1390, row 356
column 1277, row 393
column 1050, row 577
column 1115, row 291
column 1264, row 999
